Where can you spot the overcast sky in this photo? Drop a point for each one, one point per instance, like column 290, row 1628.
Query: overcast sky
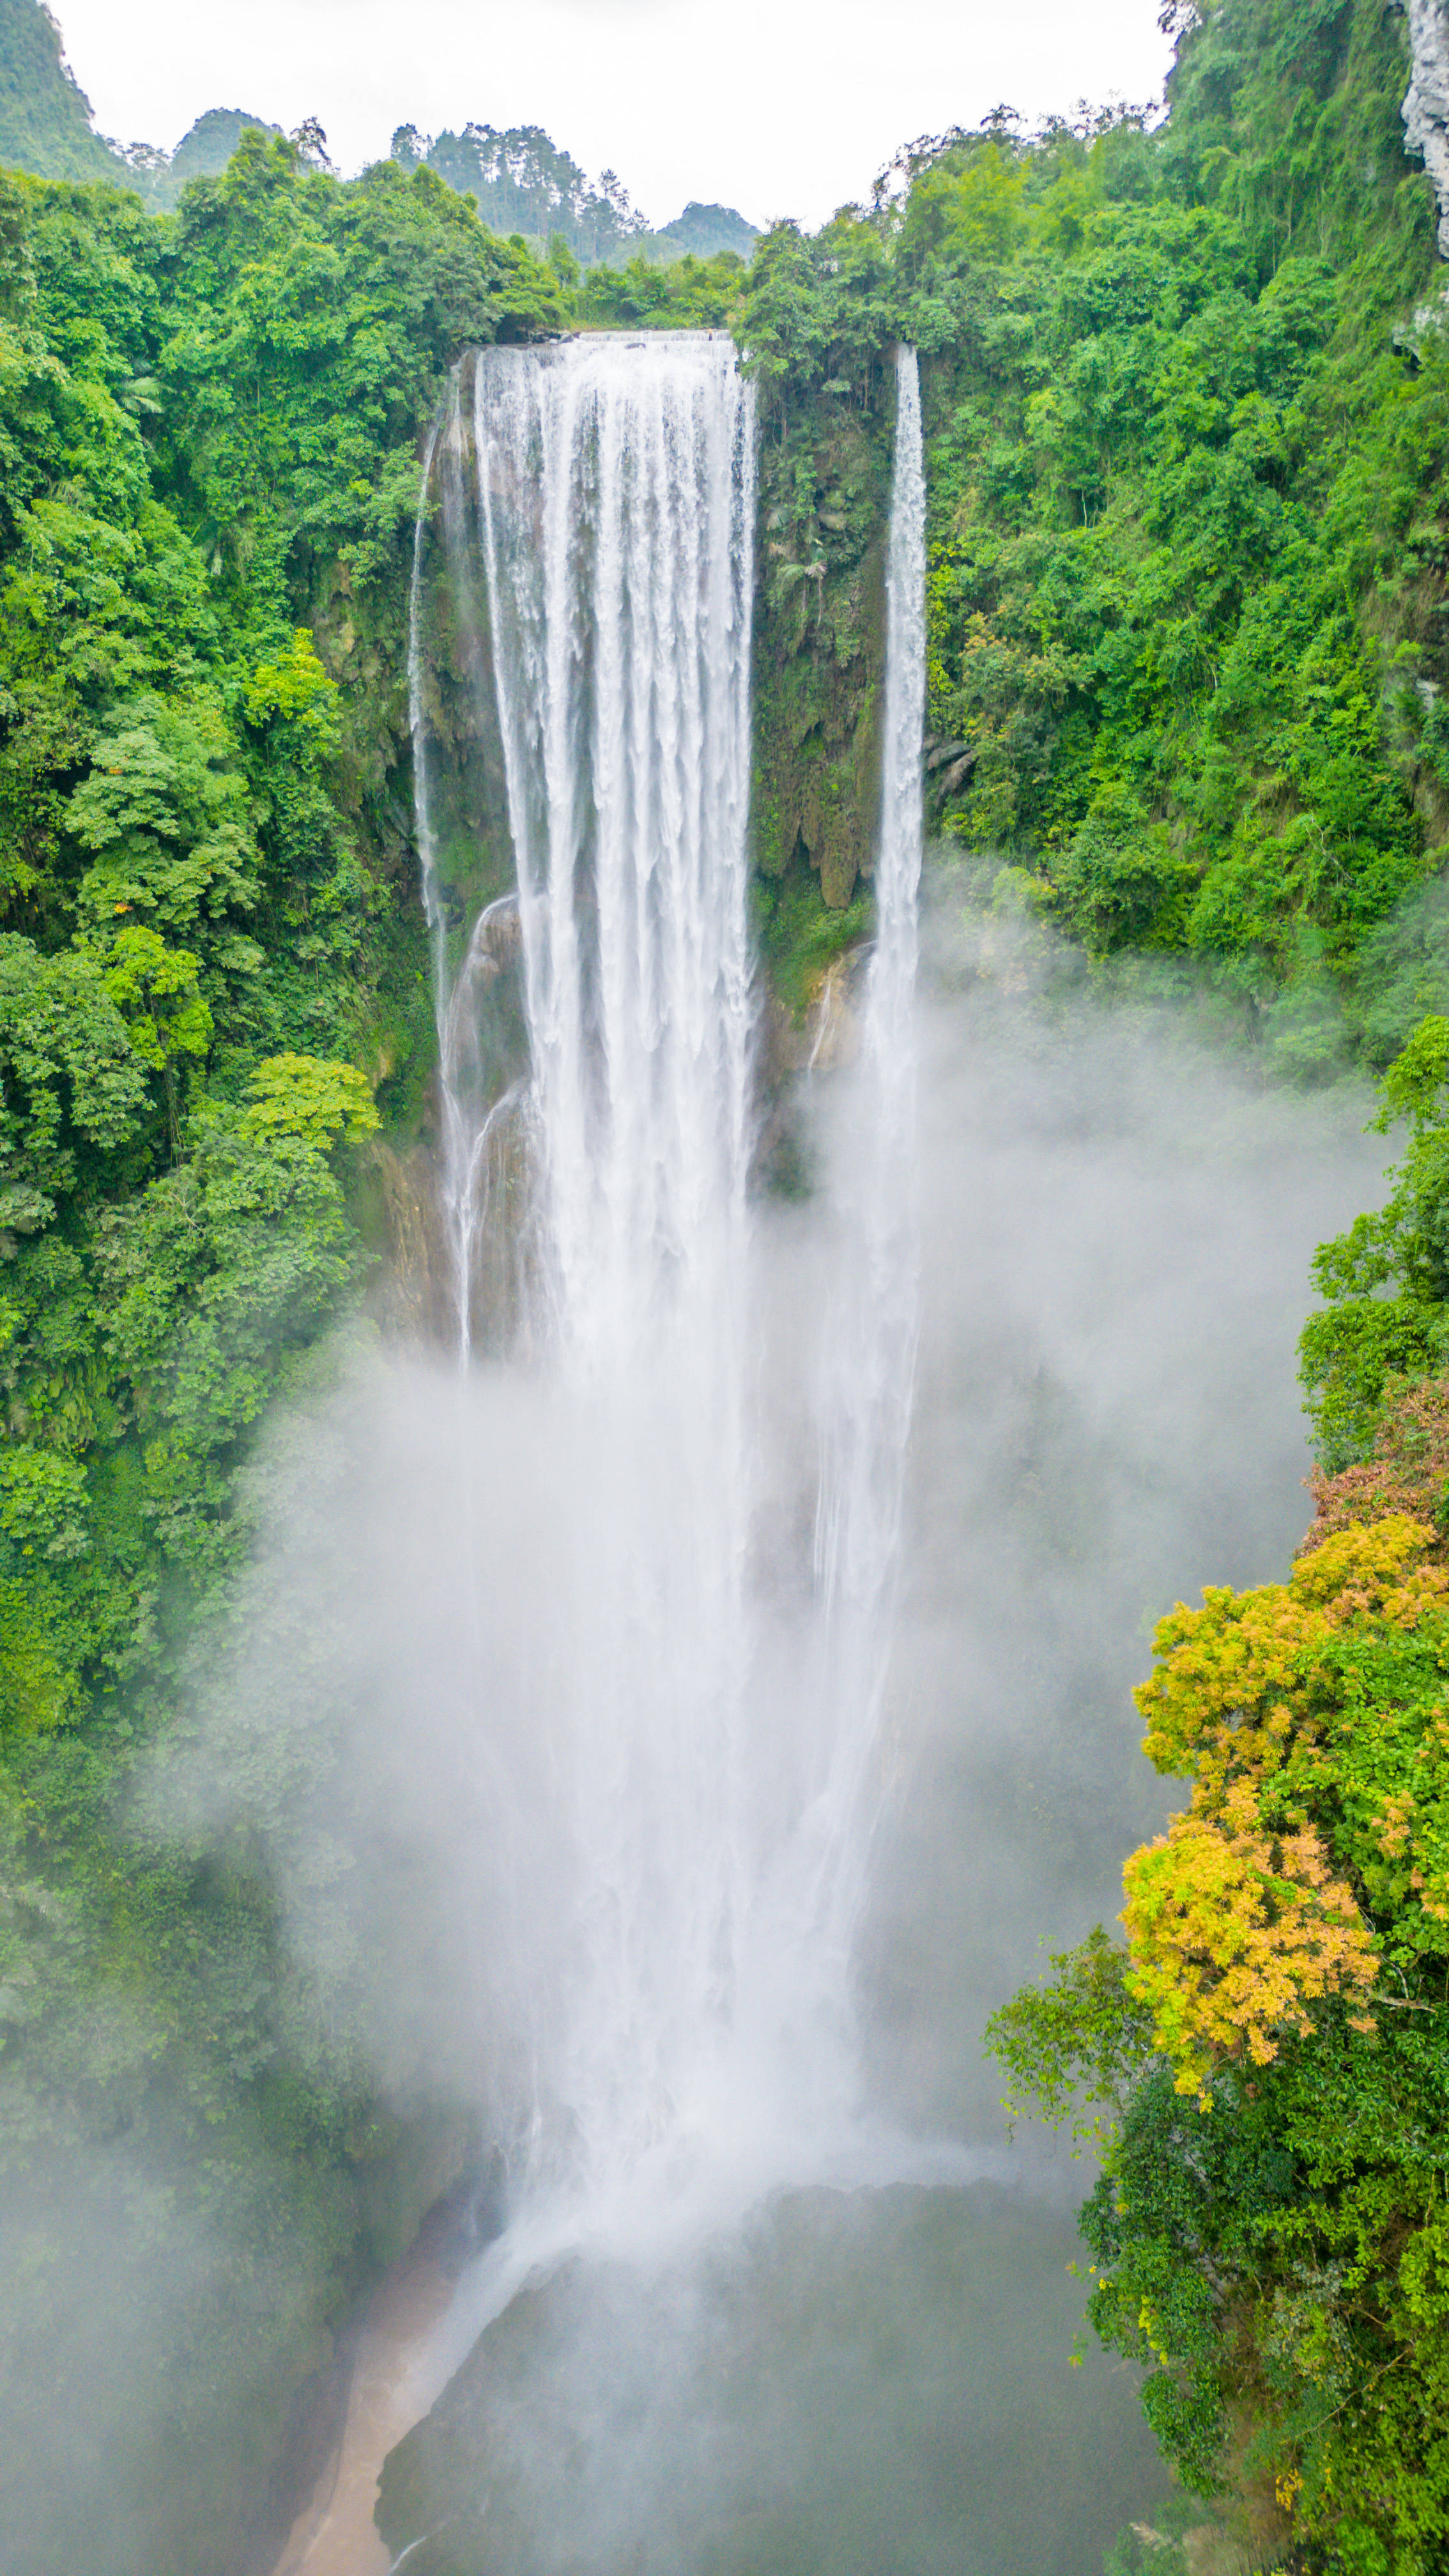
column 779, row 107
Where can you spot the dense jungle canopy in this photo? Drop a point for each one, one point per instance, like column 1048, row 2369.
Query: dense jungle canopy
column 1187, row 406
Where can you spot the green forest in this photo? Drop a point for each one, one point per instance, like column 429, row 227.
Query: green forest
column 1186, row 387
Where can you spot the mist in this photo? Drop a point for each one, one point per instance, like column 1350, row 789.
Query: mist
column 814, row 2295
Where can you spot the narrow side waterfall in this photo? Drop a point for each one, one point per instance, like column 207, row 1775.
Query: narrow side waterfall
column 706, row 1822
column 870, row 1340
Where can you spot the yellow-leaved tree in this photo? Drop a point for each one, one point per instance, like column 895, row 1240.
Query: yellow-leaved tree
column 1309, row 1762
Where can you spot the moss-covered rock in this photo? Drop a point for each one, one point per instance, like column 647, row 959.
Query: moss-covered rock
column 819, row 643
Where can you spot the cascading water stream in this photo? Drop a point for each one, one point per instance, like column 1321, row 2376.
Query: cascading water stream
column 599, row 564
column 615, row 513
column 870, row 1338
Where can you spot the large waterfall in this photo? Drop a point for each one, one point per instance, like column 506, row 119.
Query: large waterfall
column 708, row 1813
column 717, row 1775
column 731, row 1732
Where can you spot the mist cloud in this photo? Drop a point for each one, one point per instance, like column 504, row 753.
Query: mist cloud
column 1116, row 1226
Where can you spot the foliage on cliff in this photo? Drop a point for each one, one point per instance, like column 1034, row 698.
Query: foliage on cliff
column 1407, row 1470
column 1187, row 449
column 209, row 963
column 1268, row 2054
column 1186, row 445
column 687, row 294
column 1385, row 1283
column 815, row 321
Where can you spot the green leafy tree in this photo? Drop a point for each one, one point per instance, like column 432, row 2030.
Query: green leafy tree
column 1174, row 466
column 295, row 1095
column 74, row 1090
column 1386, row 1281
column 208, row 1280
column 164, row 816
column 157, row 992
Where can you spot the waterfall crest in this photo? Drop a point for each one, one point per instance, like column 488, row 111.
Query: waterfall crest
column 705, row 1841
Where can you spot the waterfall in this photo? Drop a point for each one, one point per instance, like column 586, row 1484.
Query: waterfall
column 616, row 510
column 479, row 1114
column 597, row 508
column 870, row 1337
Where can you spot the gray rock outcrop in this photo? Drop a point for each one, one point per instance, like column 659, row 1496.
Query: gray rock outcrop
column 1426, row 107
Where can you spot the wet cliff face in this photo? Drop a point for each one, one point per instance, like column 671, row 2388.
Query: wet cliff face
column 819, row 643
column 1426, row 106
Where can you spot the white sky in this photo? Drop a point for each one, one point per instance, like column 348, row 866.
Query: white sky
column 779, row 107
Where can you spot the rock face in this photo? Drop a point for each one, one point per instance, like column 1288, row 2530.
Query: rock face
column 828, row 1038
column 819, row 642
column 486, row 1055
column 1426, row 108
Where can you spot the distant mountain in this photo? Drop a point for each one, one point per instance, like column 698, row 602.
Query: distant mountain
column 45, row 117
column 46, row 124
column 704, row 231
column 523, row 183
column 521, row 180
column 204, row 151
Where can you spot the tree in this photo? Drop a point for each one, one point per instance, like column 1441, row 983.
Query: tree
column 157, row 992
column 310, row 140
column 1386, row 1281
column 295, row 1095
column 74, row 1088
column 1270, row 2235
